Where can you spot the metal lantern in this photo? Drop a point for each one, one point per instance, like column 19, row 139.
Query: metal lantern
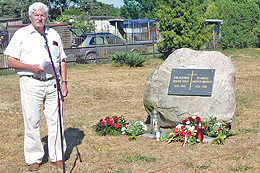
column 155, row 124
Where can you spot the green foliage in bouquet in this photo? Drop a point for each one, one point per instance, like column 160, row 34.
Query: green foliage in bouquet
column 186, row 132
column 134, row 129
column 111, row 126
column 217, row 129
column 219, row 140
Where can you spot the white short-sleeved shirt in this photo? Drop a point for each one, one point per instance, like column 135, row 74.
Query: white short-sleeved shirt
column 29, row 47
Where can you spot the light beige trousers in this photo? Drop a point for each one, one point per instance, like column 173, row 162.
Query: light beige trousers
column 36, row 94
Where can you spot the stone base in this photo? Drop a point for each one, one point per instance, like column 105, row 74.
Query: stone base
column 165, row 132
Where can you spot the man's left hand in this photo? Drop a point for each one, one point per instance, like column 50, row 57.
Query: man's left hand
column 64, row 89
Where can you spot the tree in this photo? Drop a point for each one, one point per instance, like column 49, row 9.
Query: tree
column 9, row 9
column 241, row 25
column 80, row 20
column 136, row 9
column 130, row 10
column 181, row 25
column 95, row 8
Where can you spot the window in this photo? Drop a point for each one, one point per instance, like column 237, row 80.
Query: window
column 100, row 40
column 110, row 39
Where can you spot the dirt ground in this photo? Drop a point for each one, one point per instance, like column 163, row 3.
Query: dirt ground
column 97, row 91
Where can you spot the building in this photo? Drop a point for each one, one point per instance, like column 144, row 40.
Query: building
column 213, row 44
column 141, row 30
column 61, row 28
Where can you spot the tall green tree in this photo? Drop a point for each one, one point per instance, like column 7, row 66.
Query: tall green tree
column 10, row 9
column 95, row 8
column 241, row 25
column 181, row 25
column 130, row 10
column 136, row 9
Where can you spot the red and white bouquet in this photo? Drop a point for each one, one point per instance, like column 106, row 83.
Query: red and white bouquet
column 188, row 132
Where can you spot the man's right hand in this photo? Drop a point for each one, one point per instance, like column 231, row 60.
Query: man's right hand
column 37, row 69
column 16, row 64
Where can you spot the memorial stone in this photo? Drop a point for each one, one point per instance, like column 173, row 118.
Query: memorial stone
column 174, row 101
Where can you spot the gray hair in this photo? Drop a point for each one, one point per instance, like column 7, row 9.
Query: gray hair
column 38, row 6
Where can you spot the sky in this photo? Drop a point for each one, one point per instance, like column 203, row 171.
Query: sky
column 116, row 3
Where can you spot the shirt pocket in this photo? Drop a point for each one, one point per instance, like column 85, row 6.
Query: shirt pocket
column 54, row 50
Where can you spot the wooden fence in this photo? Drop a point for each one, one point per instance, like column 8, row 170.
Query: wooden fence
column 152, row 50
column 3, row 61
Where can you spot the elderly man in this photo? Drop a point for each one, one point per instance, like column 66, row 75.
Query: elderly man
column 27, row 53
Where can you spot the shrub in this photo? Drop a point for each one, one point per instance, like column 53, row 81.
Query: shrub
column 131, row 59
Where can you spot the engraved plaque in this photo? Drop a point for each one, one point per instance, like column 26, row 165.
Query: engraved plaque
column 191, row 82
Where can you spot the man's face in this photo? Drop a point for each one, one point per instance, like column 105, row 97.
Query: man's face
column 38, row 20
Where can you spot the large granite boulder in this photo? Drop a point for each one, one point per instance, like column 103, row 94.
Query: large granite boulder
column 173, row 108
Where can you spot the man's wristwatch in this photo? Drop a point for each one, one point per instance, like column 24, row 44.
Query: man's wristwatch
column 64, row 81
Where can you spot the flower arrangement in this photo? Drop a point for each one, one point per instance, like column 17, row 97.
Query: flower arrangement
column 111, row 126
column 187, row 131
column 116, row 126
column 217, row 129
column 134, row 129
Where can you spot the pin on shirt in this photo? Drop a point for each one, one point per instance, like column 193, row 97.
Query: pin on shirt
column 55, row 43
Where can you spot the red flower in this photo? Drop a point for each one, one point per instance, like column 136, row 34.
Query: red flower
column 205, row 127
column 117, row 126
column 196, row 127
column 189, row 133
column 100, row 120
column 191, row 119
column 183, row 127
column 102, row 123
column 107, row 118
column 115, row 118
column 125, row 125
column 109, row 122
column 184, row 121
column 198, row 121
column 182, row 134
column 175, row 130
column 112, row 124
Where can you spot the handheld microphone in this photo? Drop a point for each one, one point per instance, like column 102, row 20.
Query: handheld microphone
column 44, row 36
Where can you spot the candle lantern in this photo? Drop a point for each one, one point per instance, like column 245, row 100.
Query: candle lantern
column 199, row 133
column 155, row 124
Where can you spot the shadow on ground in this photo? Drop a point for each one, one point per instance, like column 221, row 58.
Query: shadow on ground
column 73, row 137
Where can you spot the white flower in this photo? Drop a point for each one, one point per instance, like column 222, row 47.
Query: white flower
column 194, row 117
column 218, row 124
column 179, row 126
column 144, row 127
column 188, row 122
column 187, row 126
column 192, row 128
column 140, row 122
column 123, row 130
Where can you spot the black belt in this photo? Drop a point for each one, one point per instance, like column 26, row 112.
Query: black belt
column 39, row 78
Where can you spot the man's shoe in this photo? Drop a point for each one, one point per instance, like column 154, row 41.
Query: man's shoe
column 34, row 167
column 58, row 164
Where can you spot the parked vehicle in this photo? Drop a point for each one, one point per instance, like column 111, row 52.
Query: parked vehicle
column 103, row 44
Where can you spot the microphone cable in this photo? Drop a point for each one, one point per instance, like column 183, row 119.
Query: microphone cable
column 59, row 95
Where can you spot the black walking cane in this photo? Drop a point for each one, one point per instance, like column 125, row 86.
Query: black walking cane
column 59, row 96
